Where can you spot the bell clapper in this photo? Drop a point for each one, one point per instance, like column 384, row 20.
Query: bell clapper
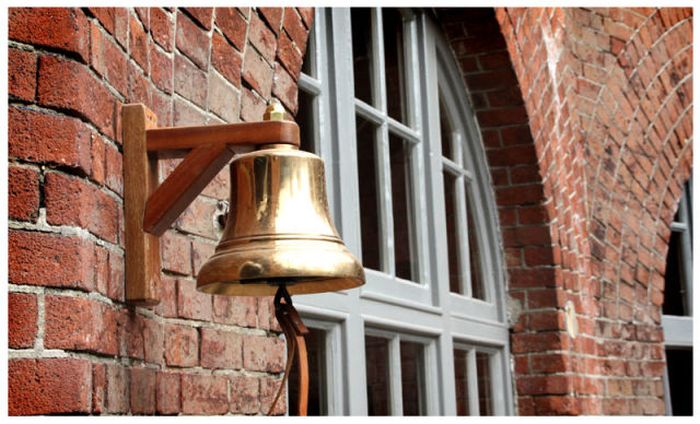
column 294, row 332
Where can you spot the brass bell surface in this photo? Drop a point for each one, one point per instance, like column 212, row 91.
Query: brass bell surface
column 278, row 230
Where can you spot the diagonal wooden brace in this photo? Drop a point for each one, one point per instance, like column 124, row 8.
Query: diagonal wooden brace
column 149, row 208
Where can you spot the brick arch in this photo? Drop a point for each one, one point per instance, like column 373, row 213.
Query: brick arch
column 642, row 118
column 525, row 197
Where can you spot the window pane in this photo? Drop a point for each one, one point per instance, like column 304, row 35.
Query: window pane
column 446, row 131
column 402, row 205
column 394, row 63
column 680, row 380
column 316, row 349
column 450, row 182
column 369, row 207
column 461, row 382
column 483, row 375
column 306, row 121
column 412, row 384
column 377, row 364
column 674, row 289
column 474, row 251
column 362, row 49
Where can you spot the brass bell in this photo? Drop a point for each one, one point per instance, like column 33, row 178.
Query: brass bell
column 278, row 230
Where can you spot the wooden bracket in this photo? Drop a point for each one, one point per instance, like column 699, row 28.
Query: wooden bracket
column 149, row 208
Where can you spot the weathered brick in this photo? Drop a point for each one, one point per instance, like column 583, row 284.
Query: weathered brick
column 289, row 56
column 181, row 346
column 108, row 60
column 294, row 26
column 63, row 29
column 262, row 353
column 162, row 28
column 221, row 349
column 167, row 393
column 176, row 253
column 68, row 85
column 260, row 36
column 252, row 106
column 232, row 25
column 142, row 390
column 273, row 16
column 49, row 138
column 190, row 82
column 245, row 395
column 268, row 391
column 73, row 201
column 203, row 15
column 22, row 320
column 204, row 394
column 161, row 69
column 50, row 260
column 21, row 74
column 257, row 72
column 80, row 324
column 191, row 303
column 285, row 88
column 23, row 193
column 138, row 43
column 192, row 41
column 226, row 60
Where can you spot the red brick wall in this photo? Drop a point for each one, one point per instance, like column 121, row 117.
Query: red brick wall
column 76, row 347
column 586, row 117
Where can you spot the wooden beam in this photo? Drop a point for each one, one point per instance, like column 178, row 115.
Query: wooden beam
column 183, row 185
column 141, row 250
column 177, row 141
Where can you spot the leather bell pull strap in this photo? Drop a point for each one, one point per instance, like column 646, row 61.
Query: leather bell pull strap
column 294, row 331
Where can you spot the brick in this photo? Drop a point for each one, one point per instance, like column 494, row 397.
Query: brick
column 289, row 56
column 260, row 36
column 192, row 41
column 176, row 253
column 202, row 15
column 48, row 138
column 241, row 311
column 257, row 73
column 263, row 353
column 181, row 346
column 80, row 324
column 226, row 60
column 68, row 85
column 62, row 29
column 185, row 114
column 97, row 149
column 131, row 334
column 268, row 391
column 23, row 193
column 201, row 252
column 21, row 82
column 153, row 341
column 162, row 28
column 114, row 178
column 273, row 16
column 117, row 389
column 50, row 260
column 294, row 26
column 499, row 117
column 106, row 17
column 198, row 218
column 161, row 69
column 192, row 304
column 73, row 201
column 538, row 385
column 252, row 106
column 99, row 385
column 143, row 16
column 168, row 298
column 108, row 60
column 22, row 320
column 121, row 26
column 245, row 394
column 221, row 349
column 142, row 390
column 138, row 43
column 167, row 393
column 307, row 14
column 115, row 285
column 204, row 394
column 190, row 82
column 138, row 85
column 232, row 25
column 49, row 386
column 285, row 88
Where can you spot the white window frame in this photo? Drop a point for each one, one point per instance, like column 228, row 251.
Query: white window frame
column 425, row 312
column 678, row 330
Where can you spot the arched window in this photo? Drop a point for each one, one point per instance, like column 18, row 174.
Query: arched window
column 382, row 101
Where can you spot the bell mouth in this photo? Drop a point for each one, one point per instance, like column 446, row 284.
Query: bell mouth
column 258, row 269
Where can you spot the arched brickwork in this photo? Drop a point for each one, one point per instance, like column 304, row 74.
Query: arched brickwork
column 606, row 97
